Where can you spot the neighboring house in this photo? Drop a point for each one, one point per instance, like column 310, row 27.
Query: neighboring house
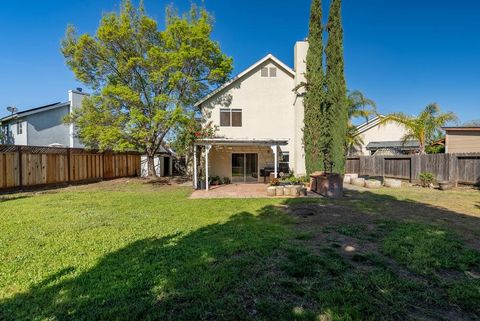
column 462, row 139
column 259, row 119
column 43, row 126
column 384, row 139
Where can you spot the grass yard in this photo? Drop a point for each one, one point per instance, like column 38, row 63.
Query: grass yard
column 125, row 250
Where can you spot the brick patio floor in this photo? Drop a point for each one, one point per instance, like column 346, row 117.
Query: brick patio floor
column 238, row 191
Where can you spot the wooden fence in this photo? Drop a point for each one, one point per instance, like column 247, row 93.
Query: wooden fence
column 455, row 168
column 25, row 166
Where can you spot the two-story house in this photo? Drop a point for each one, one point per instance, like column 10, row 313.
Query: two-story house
column 259, row 118
column 43, row 126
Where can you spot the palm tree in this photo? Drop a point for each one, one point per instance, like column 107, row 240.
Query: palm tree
column 423, row 128
column 359, row 106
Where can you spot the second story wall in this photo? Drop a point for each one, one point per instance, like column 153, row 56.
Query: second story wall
column 47, row 128
column 266, row 102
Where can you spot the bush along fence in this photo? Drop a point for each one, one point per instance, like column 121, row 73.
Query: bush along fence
column 453, row 168
column 28, row 166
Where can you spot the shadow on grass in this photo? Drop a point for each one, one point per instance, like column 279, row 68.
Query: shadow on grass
column 248, row 268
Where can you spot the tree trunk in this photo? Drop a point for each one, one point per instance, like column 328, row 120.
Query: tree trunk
column 151, row 166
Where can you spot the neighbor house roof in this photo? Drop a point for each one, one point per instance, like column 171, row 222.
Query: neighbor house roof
column 393, row 145
column 369, row 124
column 268, row 57
column 468, row 128
column 35, row 110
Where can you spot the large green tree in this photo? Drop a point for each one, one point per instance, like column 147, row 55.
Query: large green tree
column 336, row 89
column 315, row 92
column 145, row 80
column 425, row 127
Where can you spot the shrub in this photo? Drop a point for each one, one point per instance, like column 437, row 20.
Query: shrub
column 426, row 178
column 226, row 180
column 274, row 182
column 214, row 180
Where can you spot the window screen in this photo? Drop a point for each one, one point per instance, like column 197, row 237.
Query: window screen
column 236, row 117
column 273, row 72
column 224, row 117
column 264, row 72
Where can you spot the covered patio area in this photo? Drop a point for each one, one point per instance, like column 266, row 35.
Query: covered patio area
column 238, row 161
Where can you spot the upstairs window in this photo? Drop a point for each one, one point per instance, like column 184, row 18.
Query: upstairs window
column 268, row 72
column 264, row 72
column 273, row 72
column 19, row 127
column 231, row 117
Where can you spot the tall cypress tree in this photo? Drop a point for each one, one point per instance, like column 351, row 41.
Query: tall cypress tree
column 315, row 93
column 336, row 89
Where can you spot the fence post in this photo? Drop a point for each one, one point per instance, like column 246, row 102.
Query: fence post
column 415, row 167
column 126, row 155
column 69, row 164
column 20, row 166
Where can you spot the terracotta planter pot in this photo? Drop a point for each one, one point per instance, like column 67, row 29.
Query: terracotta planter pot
column 444, row 185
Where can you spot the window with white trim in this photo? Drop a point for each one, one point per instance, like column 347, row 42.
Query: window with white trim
column 19, row 127
column 267, row 72
column 230, row 117
column 283, row 162
column 264, row 72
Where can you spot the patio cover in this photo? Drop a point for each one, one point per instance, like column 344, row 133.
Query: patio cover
column 209, row 142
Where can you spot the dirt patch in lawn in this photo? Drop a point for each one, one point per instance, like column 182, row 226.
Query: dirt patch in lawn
column 359, row 237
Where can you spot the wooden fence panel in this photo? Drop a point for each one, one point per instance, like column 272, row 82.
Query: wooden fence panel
column 468, row 169
column 23, row 166
column 397, row 168
column 461, row 168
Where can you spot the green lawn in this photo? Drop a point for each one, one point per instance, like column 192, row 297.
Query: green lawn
column 131, row 251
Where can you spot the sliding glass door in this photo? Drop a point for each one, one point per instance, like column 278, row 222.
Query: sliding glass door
column 244, row 167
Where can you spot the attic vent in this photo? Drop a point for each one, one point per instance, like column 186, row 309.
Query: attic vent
column 273, row 72
column 264, row 72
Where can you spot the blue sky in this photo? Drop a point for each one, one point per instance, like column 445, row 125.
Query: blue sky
column 403, row 54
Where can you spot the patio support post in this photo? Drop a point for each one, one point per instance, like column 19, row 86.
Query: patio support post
column 275, row 154
column 195, row 179
column 207, row 150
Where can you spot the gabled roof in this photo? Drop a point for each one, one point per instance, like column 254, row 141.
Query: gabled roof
column 369, row 124
column 35, row 110
column 245, row 72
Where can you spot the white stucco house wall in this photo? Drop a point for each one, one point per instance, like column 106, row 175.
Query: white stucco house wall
column 259, row 121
